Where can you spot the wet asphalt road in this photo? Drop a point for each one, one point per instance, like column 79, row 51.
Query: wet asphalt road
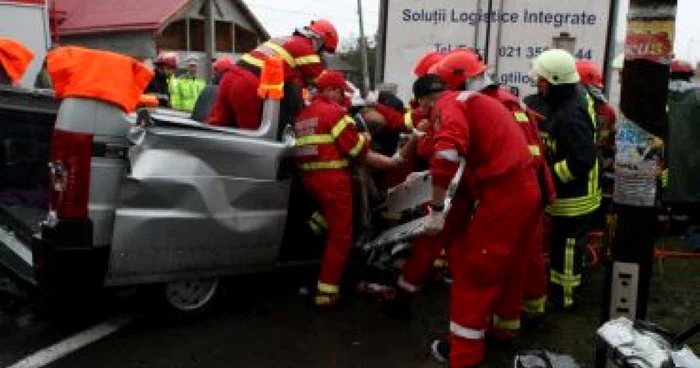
column 263, row 321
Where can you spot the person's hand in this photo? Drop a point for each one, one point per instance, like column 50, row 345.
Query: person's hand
column 435, row 222
column 372, row 98
column 415, row 176
column 422, row 126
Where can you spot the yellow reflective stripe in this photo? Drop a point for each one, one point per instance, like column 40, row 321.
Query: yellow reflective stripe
column 340, row 125
column 328, row 288
column 324, row 165
column 314, row 139
column 521, row 117
column 534, row 306
column 315, row 228
column 561, row 168
column 569, row 271
column 252, row 60
column 560, row 279
column 304, row 60
column 534, row 150
column 281, row 52
column 575, row 206
column 593, row 178
column 506, row 324
column 323, row 300
column 358, row 146
column 319, row 219
column 279, row 86
column 664, row 178
column 408, row 120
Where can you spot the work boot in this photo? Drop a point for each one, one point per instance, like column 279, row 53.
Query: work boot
column 397, row 305
column 440, row 350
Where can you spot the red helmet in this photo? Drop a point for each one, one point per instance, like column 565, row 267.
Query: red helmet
column 681, row 66
column 326, row 31
column 167, row 59
column 590, row 73
column 426, row 62
column 458, row 66
column 223, row 64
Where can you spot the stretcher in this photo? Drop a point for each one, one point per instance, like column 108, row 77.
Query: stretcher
column 410, row 197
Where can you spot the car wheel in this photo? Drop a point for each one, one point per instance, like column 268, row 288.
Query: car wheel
column 184, row 300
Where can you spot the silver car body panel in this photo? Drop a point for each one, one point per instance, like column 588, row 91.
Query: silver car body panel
column 199, row 201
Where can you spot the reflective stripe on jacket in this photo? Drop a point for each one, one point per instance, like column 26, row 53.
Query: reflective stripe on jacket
column 326, row 137
column 301, row 61
column 570, row 133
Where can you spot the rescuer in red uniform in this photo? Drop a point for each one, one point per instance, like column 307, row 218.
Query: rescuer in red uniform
column 533, row 269
column 327, row 141
column 238, row 104
column 484, row 253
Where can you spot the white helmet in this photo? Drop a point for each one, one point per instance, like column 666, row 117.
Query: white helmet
column 556, row 66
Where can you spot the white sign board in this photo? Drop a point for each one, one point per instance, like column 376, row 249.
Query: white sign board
column 520, row 30
column 27, row 23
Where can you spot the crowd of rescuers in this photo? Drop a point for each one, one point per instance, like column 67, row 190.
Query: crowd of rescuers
column 529, row 164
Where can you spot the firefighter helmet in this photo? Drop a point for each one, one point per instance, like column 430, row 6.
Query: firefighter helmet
column 167, row 59
column 426, row 62
column 589, row 73
column 681, row 66
column 326, row 32
column 556, row 66
column 458, row 66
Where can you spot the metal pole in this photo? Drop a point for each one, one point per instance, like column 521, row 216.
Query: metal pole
column 499, row 37
column 381, row 43
column 488, row 33
column 610, row 49
column 363, row 50
column 210, row 36
column 643, row 107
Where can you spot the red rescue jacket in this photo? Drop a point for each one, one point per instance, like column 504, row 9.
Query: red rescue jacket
column 531, row 131
column 302, row 64
column 326, row 137
column 470, row 125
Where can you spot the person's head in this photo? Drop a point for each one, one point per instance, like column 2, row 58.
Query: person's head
column 426, row 62
column 332, row 85
column 427, row 89
column 462, row 69
column 589, row 73
column 166, row 63
column 221, row 66
column 554, row 68
column 681, row 70
column 192, row 64
column 323, row 33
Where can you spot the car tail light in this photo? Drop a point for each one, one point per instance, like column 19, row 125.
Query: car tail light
column 70, row 175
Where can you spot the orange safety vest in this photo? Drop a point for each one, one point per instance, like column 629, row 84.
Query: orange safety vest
column 14, row 58
column 96, row 74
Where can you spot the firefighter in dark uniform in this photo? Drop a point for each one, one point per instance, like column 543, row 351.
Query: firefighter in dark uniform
column 569, row 131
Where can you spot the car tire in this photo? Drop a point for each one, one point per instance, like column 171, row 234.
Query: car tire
column 186, row 300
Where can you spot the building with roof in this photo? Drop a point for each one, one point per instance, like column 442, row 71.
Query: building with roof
column 142, row 28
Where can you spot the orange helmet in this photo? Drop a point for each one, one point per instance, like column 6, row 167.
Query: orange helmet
column 168, row 59
column 223, row 64
column 458, row 66
column 681, row 66
column 426, row 62
column 326, row 31
column 589, row 73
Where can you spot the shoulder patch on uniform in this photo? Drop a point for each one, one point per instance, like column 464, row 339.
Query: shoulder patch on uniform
column 465, row 95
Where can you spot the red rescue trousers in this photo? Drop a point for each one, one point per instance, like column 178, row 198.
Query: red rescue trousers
column 534, row 270
column 237, row 103
column 332, row 189
column 426, row 249
column 484, row 259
